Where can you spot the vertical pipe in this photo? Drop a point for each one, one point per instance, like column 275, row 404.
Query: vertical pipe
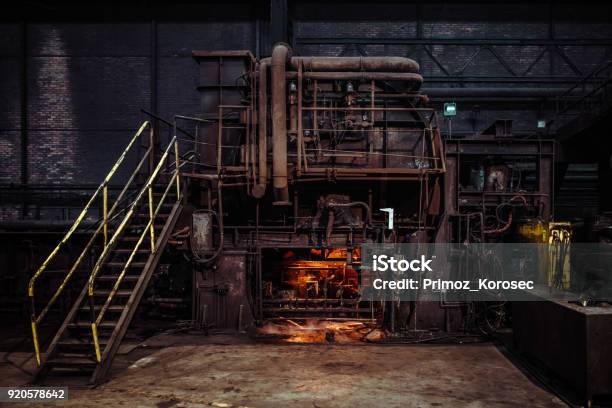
column 315, row 119
column 252, row 141
column 300, row 136
column 247, row 147
column 262, row 122
column 280, row 56
column 219, row 138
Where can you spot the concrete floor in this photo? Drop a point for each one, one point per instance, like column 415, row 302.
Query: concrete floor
column 182, row 371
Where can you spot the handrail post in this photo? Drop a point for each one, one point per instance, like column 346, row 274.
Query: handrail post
column 152, row 152
column 176, row 158
column 152, row 228
column 94, row 329
column 34, row 328
column 105, row 210
column 35, row 341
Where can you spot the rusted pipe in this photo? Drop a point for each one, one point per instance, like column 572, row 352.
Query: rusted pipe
column 260, row 188
column 280, row 55
column 414, row 80
column 502, row 229
column 377, row 64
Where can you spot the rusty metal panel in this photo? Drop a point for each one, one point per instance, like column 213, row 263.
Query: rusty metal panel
column 221, row 295
column 202, row 232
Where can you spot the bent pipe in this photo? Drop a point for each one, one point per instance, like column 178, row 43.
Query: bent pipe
column 378, row 64
column 280, row 56
column 262, row 120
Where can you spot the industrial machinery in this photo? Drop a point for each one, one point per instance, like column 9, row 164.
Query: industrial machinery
column 260, row 207
column 299, row 157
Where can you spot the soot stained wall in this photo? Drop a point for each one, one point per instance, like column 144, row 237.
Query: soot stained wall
column 86, row 85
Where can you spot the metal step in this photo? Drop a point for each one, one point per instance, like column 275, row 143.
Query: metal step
column 111, row 308
column 106, row 292
column 129, row 251
column 82, row 362
column 113, row 278
column 146, row 215
column 142, row 226
column 122, row 264
column 85, row 324
column 79, row 343
column 134, row 238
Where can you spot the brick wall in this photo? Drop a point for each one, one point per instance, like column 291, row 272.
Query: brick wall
column 10, row 103
column 86, row 84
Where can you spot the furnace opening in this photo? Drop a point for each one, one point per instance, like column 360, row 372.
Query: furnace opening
column 312, row 295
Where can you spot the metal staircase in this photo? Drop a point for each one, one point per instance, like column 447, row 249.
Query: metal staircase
column 586, row 102
column 131, row 237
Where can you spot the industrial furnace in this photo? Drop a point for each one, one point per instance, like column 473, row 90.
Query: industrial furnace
column 298, row 161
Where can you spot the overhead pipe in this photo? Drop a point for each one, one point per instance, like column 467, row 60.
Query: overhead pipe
column 262, row 120
column 280, row 56
column 377, row 64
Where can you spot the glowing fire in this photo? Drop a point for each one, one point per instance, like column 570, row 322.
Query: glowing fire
column 321, row 331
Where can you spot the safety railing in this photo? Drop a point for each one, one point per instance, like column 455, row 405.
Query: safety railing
column 103, row 228
column 149, row 228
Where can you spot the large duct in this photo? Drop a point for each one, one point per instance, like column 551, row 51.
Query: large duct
column 280, row 56
column 376, row 64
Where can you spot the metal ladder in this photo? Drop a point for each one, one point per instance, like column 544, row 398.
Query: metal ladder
column 131, row 235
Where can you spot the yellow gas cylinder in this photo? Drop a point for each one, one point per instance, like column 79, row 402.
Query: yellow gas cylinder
column 559, row 239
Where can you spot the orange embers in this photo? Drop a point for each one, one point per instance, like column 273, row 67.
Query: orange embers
column 319, row 279
column 321, row 331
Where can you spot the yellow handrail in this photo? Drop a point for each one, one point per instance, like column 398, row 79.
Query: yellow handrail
column 35, row 320
column 148, row 187
column 91, row 241
column 125, row 220
column 115, row 288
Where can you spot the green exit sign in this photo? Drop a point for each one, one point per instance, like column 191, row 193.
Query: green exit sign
column 450, row 109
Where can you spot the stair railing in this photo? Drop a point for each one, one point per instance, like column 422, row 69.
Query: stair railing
column 102, row 228
column 570, row 105
column 149, row 228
